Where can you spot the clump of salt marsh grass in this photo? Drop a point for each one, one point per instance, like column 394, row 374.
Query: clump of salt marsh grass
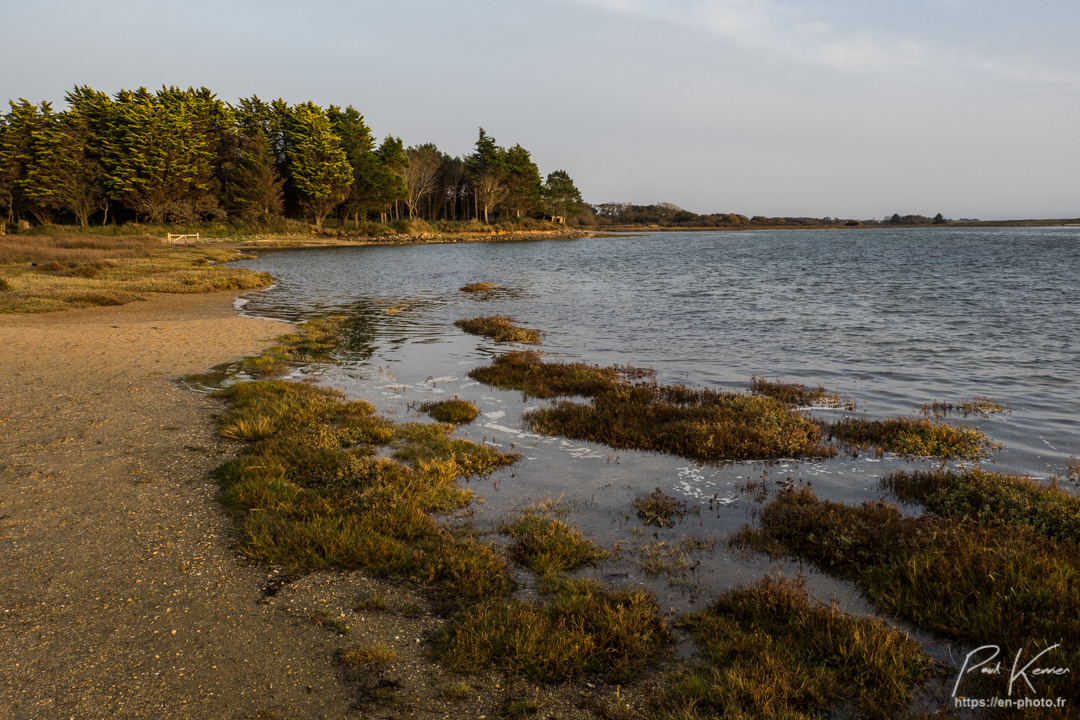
column 768, row 651
column 662, row 510
column 479, row 287
column 313, row 341
column 454, row 411
column 310, row 492
column 547, row 545
column 500, row 328
column 990, row 499
column 628, row 409
column 795, row 394
column 913, row 437
column 584, row 629
column 367, row 657
column 1008, row 582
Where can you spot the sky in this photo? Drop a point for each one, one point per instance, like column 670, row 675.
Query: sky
column 840, row 108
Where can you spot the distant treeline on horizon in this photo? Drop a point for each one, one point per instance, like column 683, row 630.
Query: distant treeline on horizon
column 184, row 156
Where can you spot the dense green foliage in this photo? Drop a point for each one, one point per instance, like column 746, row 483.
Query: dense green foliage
column 184, row 156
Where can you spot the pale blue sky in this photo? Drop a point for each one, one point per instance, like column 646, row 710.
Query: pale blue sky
column 817, row 107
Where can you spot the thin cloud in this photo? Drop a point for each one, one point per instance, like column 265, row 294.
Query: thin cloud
column 788, row 30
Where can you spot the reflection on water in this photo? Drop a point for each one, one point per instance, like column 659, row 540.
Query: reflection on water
column 895, row 319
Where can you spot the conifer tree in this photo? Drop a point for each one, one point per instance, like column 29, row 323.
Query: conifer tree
column 524, row 186
column 561, row 197
column 320, row 170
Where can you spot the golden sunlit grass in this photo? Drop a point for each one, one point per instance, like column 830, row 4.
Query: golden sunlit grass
column 310, row 493
column 769, row 651
column 57, row 273
column 994, row 561
column 628, row 409
column 547, row 545
column 584, row 629
column 913, row 438
column 794, row 393
column 455, row 411
column 499, row 328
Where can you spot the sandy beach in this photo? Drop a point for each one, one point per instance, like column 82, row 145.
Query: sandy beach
column 123, row 595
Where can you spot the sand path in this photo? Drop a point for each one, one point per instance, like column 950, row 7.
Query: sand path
column 121, row 592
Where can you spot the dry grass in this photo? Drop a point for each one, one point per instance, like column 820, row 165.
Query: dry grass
column 57, row 273
column 367, row 657
column 499, row 328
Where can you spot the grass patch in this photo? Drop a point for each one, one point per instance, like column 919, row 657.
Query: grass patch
column 335, row 625
column 912, row 437
column 373, row 603
column 500, row 328
column 310, row 493
column 1006, row 582
column 992, row 500
column 585, row 629
column 547, row 545
column 457, row 690
column 62, row 272
column 454, row 411
column 662, row 510
column 628, row 409
column 795, row 394
column 367, row 657
column 479, row 287
column 313, row 341
column 768, row 651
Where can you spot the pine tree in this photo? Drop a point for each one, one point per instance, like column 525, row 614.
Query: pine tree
column 320, row 170
column 561, row 197
column 524, row 186
column 254, row 188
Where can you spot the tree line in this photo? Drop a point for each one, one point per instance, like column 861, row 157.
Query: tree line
column 180, row 156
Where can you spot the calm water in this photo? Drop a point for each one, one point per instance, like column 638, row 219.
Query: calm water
column 894, row 319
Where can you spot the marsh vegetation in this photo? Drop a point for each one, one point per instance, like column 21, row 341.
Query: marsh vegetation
column 499, row 328
column 40, row 274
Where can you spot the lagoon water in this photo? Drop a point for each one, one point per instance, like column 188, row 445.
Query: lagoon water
column 892, row 318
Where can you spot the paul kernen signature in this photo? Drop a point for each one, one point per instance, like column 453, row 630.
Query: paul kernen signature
column 1017, row 673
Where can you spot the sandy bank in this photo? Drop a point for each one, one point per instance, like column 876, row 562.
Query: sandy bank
column 122, row 594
